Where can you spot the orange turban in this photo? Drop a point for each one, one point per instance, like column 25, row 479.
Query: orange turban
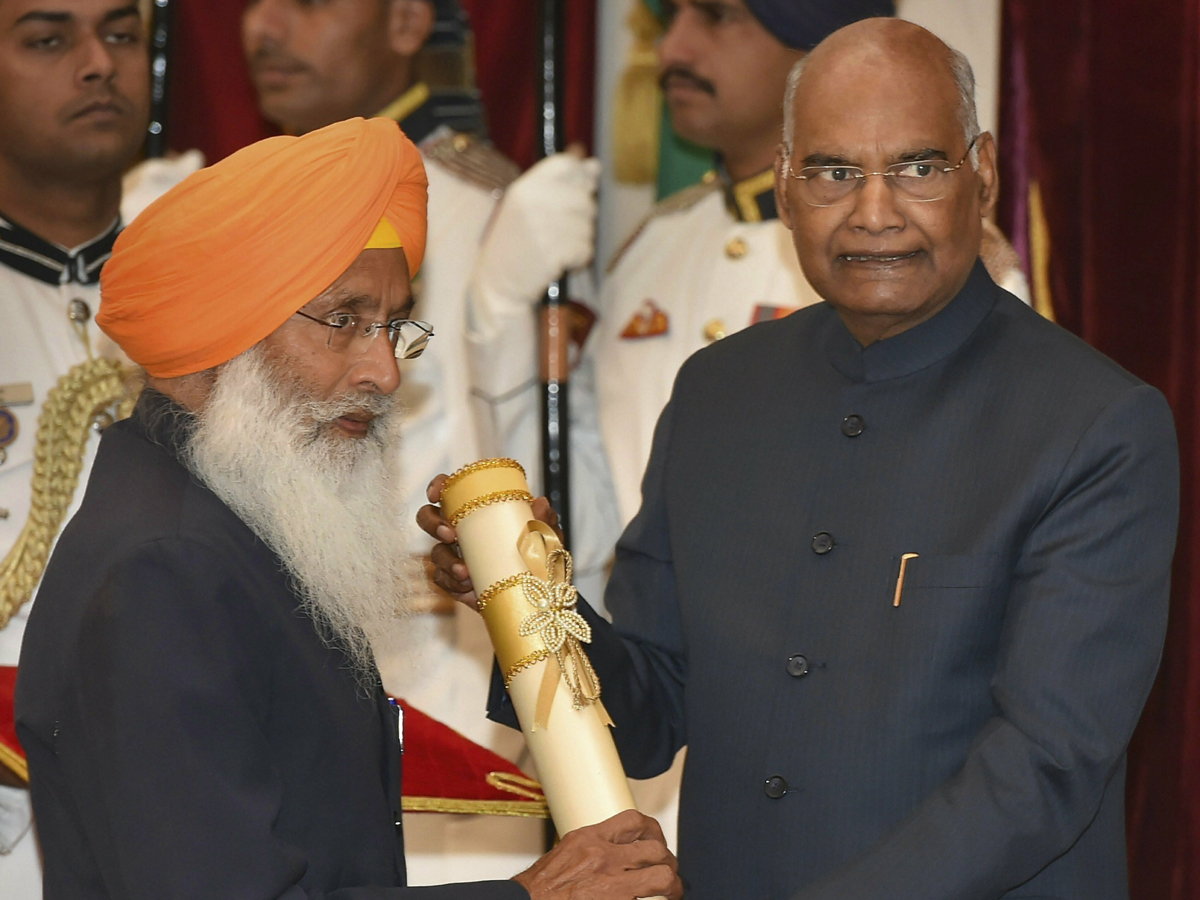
column 223, row 259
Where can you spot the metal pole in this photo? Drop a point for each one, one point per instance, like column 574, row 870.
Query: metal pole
column 160, row 54
column 555, row 368
column 555, row 331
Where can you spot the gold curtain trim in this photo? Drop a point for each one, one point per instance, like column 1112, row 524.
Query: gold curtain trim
column 70, row 408
column 1039, row 250
column 637, row 103
column 14, row 762
column 527, row 809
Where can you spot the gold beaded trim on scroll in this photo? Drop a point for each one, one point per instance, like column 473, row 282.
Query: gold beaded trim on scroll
column 495, row 589
column 487, row 500
column 534, row 617
column 500, row 462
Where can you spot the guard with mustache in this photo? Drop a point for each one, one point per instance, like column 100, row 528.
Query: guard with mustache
column 74, row 106
column 199, row 699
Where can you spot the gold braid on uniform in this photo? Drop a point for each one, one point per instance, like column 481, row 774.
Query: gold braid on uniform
column 82, row 397
column 680, row 201
column 473, row 160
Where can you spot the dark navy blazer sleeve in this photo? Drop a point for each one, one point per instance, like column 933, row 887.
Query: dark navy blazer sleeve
column 642, row 660
column 187, row 790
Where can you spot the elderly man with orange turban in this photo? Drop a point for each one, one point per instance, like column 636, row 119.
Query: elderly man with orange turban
column 198, row 696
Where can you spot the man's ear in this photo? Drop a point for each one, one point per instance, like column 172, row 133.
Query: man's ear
column 782, row 206
column 410, row 22
column 989, row 175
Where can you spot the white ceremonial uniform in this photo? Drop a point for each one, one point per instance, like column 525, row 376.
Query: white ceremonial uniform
column 38, row 344
column 711, row 260
column 444, row 667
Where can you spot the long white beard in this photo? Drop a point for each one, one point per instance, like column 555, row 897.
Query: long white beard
column 330, row 507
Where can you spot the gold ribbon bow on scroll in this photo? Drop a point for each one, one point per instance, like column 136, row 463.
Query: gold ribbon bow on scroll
column 553, row 631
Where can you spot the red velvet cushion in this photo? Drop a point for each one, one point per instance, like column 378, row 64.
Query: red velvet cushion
column 442, row 765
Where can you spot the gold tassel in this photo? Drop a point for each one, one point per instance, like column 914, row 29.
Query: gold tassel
column 638, row 103
column 1039, row 251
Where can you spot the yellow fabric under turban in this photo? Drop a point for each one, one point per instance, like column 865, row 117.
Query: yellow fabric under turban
column 222, row 260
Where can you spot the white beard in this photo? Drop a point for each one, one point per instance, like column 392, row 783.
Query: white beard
column 330, row 507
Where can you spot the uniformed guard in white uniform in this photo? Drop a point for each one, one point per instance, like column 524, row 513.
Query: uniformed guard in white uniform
column 75, row 105
column 47, row 297
column 732, row 265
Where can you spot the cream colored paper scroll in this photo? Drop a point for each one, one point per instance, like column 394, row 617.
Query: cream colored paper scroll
column 522, row 577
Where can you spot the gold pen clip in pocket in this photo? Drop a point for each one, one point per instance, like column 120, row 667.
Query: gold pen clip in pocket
column 900, row 578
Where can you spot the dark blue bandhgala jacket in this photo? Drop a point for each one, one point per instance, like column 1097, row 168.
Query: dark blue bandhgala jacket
column 967, row 744
column 189, row 733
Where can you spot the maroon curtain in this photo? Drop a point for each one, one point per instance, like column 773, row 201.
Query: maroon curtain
column 1100, row 107
column 213, row 105
column 507, row 60
column 211, row 101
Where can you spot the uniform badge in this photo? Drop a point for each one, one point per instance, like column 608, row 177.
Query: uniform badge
column 767, row 313
column 580, row 319
column 18, row 394
column 648, row 321
column 9, row 429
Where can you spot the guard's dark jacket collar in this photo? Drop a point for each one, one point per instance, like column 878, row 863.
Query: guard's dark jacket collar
column 922, row 345
column 25, row 252
column 459, row 110
column 751, row 199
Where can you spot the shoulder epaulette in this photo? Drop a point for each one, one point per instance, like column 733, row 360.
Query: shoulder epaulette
column 677, row 202
column 473, row 160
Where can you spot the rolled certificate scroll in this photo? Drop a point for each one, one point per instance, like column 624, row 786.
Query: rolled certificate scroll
column 522, row 575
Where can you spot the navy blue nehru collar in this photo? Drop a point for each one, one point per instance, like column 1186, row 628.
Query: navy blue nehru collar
column 920, row 346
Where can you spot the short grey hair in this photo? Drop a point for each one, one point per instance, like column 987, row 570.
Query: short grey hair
column 964, row 80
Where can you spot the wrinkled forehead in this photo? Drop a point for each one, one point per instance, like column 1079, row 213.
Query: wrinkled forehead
column 376, row 284
column 873, row 99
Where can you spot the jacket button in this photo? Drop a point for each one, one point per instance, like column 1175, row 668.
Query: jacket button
column 797, row 666
column 822, row 543
column 853, row 425
column 775, row 787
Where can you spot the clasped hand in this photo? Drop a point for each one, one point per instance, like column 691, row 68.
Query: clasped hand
column 451, row 572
